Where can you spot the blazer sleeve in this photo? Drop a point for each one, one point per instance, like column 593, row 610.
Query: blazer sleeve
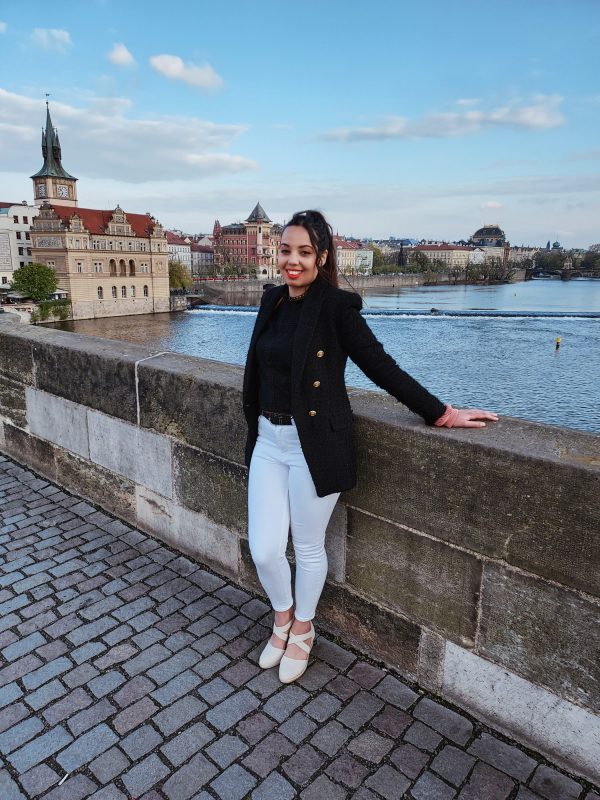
column 368, row 354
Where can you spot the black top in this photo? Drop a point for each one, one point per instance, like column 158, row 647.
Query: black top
column 329, row 329
column 274, row 353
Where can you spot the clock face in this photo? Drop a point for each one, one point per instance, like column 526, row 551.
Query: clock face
column 41, row 190
column 63, row 191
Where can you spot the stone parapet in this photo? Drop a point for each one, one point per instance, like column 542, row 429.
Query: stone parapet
column 467, row 559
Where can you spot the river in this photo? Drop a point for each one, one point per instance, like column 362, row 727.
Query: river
column 486, row 346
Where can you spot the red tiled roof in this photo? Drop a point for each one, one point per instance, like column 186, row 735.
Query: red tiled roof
column 345, row 244
column 175, row 238
column 202, row 248
column 97, row 220
column 8, row 205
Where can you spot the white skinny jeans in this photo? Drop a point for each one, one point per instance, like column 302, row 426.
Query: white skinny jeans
column 281, row 494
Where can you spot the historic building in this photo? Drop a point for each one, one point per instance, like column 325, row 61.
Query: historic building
column 111, row 262
column 15, row 238
column 203, row 259
column 453, row 256
column 252, row 244
column 179, row 248
column 353, row 258
column 489, row 236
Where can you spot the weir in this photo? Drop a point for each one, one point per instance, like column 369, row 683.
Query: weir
column 467, row 560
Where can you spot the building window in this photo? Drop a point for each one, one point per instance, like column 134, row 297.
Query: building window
column 113, row 291
column 133, row 291
column 123, row 291
column 97, row 266
column 4, row 279
column 100, row 293
column 27, row 236
column 145, row 291
column 49, row 264
column 18, row 234
column 29, row 251
column 25, row 221
column 20, row 251
column 16, row 219
column 79, row 266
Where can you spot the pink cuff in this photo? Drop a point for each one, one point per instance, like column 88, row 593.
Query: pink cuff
column 448, row 418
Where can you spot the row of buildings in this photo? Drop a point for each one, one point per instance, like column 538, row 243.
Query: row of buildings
column 114, row 263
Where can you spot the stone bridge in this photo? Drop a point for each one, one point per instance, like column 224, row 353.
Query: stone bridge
column 466, row 563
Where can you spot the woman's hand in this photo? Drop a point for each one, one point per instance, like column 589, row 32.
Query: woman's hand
column 465, row 418
column 470, row 418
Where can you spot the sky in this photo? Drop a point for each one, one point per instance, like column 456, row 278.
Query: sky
column 413, row 119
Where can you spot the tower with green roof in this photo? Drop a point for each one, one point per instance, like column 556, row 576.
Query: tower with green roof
column 53, row 182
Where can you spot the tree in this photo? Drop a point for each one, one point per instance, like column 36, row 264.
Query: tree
column 420, row 260
column 36, row 281
column 179, row 276
column 378, row 259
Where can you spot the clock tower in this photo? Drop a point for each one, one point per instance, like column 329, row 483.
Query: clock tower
column 53, row 182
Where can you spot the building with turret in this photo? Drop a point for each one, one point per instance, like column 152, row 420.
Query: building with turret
column 110, row 262
column 252, row 244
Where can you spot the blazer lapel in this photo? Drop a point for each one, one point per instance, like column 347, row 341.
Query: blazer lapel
column 311, row 306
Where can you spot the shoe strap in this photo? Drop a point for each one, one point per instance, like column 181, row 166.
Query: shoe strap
column 299, row 639
column 282, row 630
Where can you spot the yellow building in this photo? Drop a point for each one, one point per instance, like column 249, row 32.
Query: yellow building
column 111, row 263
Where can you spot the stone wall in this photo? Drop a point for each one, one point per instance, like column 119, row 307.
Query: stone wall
column 468, row 560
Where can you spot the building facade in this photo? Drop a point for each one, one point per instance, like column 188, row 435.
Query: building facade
column 203, row 260
column 353, row 258
column 179, row 249
column 111, row 263
column 252, row 244
column 453, row 256
column 15, row 239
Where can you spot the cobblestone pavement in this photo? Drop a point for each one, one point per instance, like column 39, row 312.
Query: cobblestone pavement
column 128, row 671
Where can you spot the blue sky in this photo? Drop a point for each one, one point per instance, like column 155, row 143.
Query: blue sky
column 420, row 119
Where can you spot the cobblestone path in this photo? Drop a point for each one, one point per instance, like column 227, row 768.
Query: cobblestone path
column 128, row 671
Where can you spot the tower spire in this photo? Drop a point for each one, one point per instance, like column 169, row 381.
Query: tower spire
column 52, row 181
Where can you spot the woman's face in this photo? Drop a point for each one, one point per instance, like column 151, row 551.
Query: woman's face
column 297, row 259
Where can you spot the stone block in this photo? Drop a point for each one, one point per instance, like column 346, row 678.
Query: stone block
column 98, row 373
column 533, row 484
column 547, row 634
column 58, row 420
column 113, row 492
column 12, row 401
column 195, row 400
column 335, row 544
column 211, row 486
column 568, row 734
column 36, row 453
column 370, row 627
column 187, row 531
column 421, row 578
column 16, row 351
column 128, row 450
column 431, row 660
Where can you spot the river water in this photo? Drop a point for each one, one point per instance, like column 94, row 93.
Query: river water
column 486, row 346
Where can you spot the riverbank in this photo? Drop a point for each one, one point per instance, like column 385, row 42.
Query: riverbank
column 244, row 292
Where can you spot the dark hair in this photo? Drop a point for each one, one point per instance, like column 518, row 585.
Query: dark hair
column 321, row 238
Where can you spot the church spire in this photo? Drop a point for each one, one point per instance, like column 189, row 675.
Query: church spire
column 52, row 181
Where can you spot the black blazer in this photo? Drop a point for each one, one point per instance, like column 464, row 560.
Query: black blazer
column 330, row 329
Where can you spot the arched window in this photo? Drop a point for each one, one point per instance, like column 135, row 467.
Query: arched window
column 145, row 291
column 131, row 266
column 114, row 291
column 122, row 267
column 113, row 266
column 100, row 293
column 133, row 291
column 123, row 291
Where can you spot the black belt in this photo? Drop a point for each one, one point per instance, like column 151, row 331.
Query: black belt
column 278, row 419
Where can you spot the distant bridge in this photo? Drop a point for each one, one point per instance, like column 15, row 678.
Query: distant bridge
column 563, row 274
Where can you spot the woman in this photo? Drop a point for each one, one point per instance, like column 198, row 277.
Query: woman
column 300, row 451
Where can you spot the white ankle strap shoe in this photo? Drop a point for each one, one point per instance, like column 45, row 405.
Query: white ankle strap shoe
column 271, row 655
column 292, row 668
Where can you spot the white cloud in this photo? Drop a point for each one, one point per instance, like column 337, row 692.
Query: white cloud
column 101, row 141
column 490, row 204
column 467, row 101
column 52, row 39
column 120, row 56
column 542, row 113
column 175, row 69
column 3, row 27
